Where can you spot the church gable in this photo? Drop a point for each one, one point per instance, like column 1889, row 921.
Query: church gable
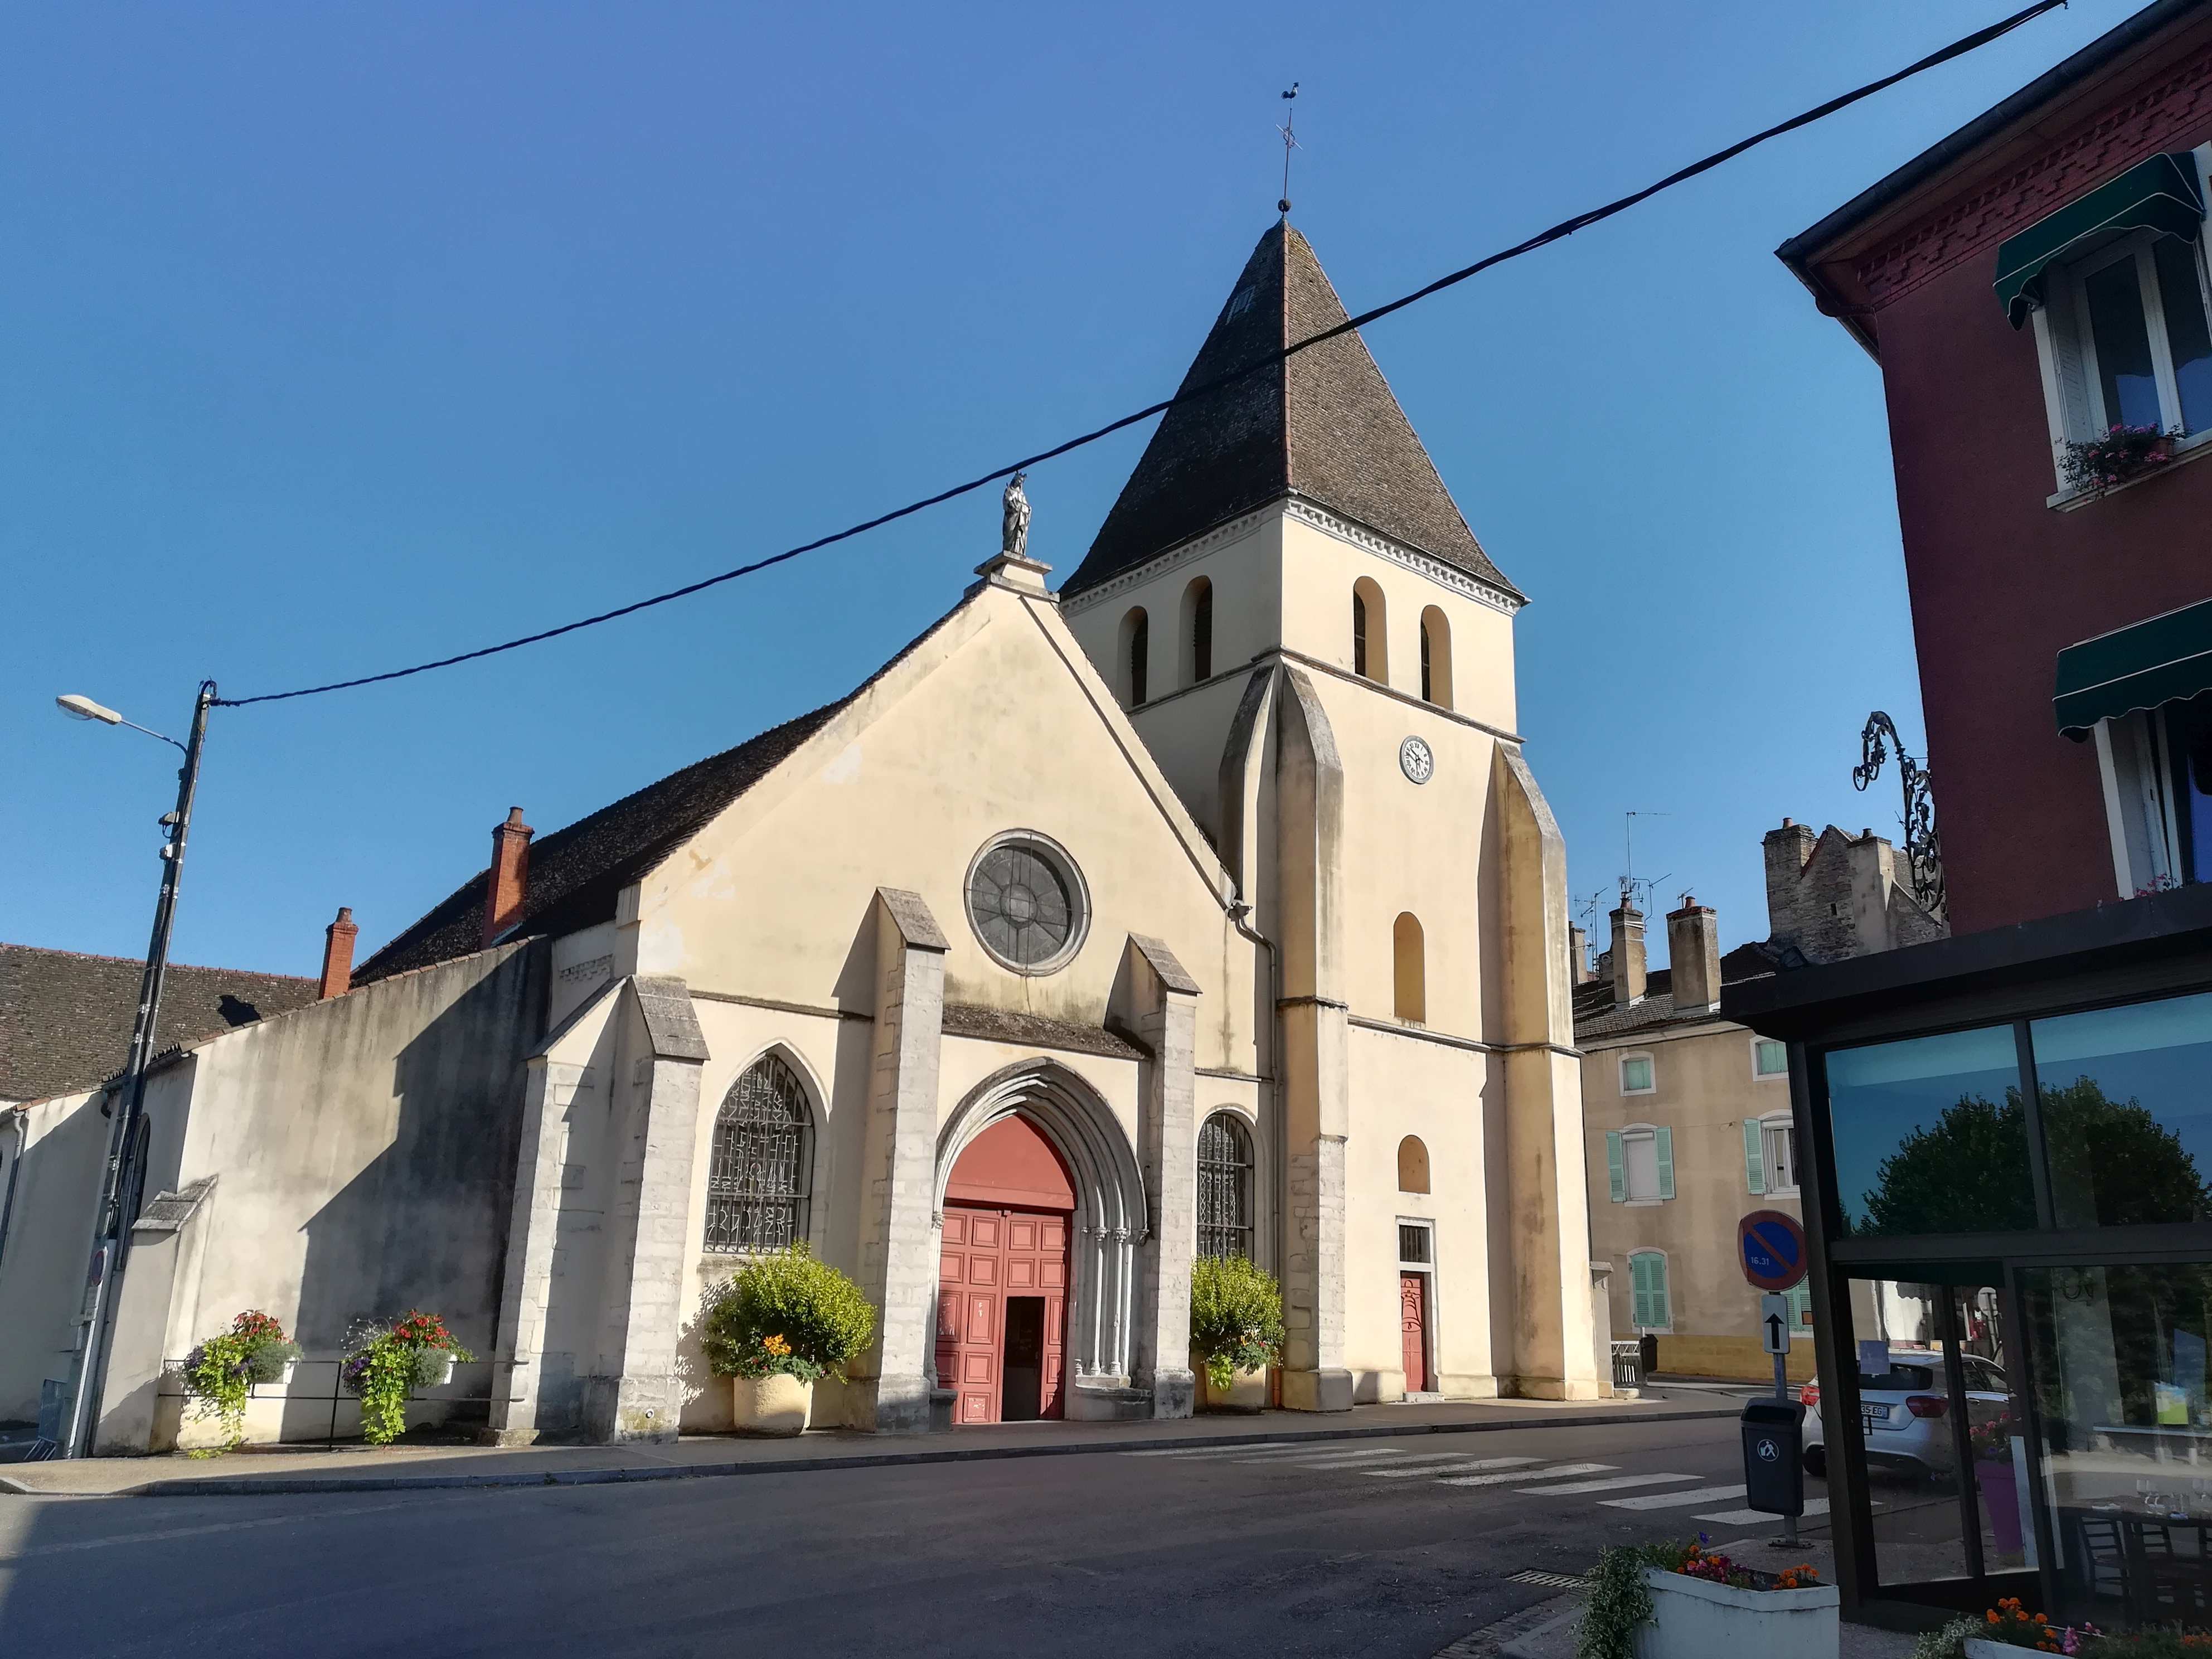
column 992, row 759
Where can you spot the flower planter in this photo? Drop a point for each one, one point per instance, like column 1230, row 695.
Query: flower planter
column 2000, row 1504
column 1978, row 1648
column 778, row 1405
column 1247, row 1390
column 284, row 1376
column 1696, row 1618
column 435, row 1370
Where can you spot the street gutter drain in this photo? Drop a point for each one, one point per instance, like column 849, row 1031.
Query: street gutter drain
column 1548, row 1580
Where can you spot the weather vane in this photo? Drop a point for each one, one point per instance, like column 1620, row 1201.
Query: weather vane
column 1290, row 144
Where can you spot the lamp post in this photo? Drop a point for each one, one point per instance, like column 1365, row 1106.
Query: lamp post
column 111, row 1227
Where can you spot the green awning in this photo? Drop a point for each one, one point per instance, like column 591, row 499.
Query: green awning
column 2160, row 194
column 2138, row 666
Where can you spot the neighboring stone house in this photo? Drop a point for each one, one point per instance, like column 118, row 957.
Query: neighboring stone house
column 1208, row 904
column 1688, row 1115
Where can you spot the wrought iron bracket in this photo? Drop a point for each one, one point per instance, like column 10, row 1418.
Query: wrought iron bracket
column 1923, row 851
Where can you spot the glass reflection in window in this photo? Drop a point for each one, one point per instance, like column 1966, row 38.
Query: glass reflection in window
column 2126, row 1100
column 1931, row 1135
column 2122, row 342
column 2121, row 1384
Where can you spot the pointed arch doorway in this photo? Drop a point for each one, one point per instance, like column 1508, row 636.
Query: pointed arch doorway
column 1003, row 1275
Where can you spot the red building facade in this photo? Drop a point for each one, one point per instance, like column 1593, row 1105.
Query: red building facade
column 2008, row 564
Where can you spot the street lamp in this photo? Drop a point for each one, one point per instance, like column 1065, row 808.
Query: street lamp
column 111, row 1229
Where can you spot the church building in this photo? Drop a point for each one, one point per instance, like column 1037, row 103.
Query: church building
column 1208, row 904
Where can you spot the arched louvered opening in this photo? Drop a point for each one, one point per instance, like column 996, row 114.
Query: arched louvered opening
column 1136, row 656
column 1198, row 631
column 761, row 1162
column 1435, row 658
column 1371, row 650
column 1224, row 1187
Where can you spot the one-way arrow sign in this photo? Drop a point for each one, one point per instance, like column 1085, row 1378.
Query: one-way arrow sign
column 1774, row 1324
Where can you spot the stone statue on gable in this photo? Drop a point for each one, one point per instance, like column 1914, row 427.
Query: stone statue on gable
column 1014, row 523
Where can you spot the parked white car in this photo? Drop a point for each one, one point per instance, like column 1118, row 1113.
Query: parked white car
column 1906, row 1411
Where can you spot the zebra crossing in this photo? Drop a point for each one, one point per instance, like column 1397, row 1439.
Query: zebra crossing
column 1523, row 1476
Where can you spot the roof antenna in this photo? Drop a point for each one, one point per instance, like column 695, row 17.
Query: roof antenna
column 1290, row 144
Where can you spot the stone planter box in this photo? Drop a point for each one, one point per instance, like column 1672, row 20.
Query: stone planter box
column 1691, row 1619
column 1247, row 1390
column 1977, row 1649
column 771, row 1405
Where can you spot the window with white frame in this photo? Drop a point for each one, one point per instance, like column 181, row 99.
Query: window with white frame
column 1769, row 1058
column 1800, row 1298
column 1769, row 1155
column 2123, row 335
column 2157, row 768
column 1639, row 1163
column 1636, row 1075
column 1650, row 1307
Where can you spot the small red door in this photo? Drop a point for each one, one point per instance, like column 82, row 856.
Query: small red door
column 1413, row 1329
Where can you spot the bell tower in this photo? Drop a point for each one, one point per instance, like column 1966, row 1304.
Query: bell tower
column 1287, row 602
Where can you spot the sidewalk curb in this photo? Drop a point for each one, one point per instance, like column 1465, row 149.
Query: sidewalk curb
column 249, row 1487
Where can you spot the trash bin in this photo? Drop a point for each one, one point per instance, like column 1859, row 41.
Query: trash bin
column 1773, row 1471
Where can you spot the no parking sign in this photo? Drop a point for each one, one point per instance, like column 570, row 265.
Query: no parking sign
column 1772, row 1246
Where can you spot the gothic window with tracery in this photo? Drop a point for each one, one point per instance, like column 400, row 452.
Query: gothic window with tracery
column 758, row 1169
column 1224, row 1187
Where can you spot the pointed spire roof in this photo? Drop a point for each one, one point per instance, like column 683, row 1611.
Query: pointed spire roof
column 1323, row 424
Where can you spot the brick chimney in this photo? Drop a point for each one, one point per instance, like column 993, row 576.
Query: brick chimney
column 337, row 955
column 1693, row 953
column 508, row 879
column 1627, row 954
column 1788, row 850
column 1579, row 948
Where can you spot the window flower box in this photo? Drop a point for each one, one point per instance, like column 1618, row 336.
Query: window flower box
column 1696, row 1618
column 2120, row 456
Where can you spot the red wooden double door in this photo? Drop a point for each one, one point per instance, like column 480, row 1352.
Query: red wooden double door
column 1002, row 1313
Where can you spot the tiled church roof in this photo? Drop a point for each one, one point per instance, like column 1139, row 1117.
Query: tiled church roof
column 65, row 1019
column 1323, row 424
column 575, row 872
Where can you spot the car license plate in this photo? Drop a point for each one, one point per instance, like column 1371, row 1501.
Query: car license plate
column 1870, row 1415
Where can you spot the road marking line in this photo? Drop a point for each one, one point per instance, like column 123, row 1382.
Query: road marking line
column 1618, row 1481
column 1673, row 1500
column 1400, row 1471
column 1756, row 1517
column 1328, row 1460
column 1434, row 1464
column 1559, row 1472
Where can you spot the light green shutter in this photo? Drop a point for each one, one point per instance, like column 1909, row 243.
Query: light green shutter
column 1800, row 1303
column 1640, row 1291
column 1616, row 1167
column 1754, row 1157
column 1666, row 1139
column 1662, row 1315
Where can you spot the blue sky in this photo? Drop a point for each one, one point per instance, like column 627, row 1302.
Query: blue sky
column 338, row 336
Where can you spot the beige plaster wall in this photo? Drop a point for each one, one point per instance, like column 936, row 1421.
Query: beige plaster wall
column 42, row 1262
column 773, row 900
column 1705, row 1089
column 1402, row 1085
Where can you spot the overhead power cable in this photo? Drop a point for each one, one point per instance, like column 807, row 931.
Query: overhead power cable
column 1559, row 232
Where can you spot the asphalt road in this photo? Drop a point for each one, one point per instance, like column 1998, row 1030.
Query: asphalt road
column 1347, row 1547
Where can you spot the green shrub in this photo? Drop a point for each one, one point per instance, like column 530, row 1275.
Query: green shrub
column 1236, row 1316
column 386, row 1362
column 1619, row 1601
column 787, row 1313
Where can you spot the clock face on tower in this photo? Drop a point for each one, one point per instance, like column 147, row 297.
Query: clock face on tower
column 1415, row 760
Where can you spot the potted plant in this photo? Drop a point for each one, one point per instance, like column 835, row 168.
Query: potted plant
column 1235, row 1331
column 220, row 1373
column 386, row 1363
column 783, row 1322
column 1994, row 1473
column 1685, row 1601
column 2121, row 454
